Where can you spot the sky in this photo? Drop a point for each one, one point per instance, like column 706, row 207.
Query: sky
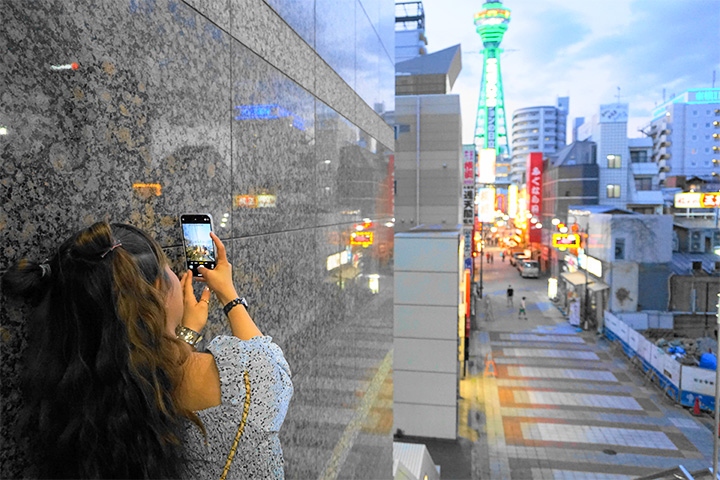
column 585, row 49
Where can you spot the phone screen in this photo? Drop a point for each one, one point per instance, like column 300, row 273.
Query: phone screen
column 199, row 247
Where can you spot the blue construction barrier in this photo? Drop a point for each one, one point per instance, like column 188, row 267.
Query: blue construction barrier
column 683, row 383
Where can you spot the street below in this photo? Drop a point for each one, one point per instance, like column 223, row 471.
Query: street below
column 546, row 400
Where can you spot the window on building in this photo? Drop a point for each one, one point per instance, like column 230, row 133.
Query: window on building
column 619, row 249
column 694, row 125
column 614, row 161
column 640, row 156
column 694, row 137
column 643, row 183
column 613, row 191
column 695, row 112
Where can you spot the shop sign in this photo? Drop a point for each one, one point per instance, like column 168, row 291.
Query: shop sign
column 566, row 240
column 688, row 200
column 468, row 205
column 572, row 262
column 697, row 200
column 469, row 159
column 361, row 238
column 534, row 191
column 591, row 264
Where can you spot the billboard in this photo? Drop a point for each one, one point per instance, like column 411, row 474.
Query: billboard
column 614, row 113
column 469, row 162
column 486, row 204
column 534, row 192
column 486, row 166
column 697, row 200
column 567, row 240
column 512, row 201
column 468, row 205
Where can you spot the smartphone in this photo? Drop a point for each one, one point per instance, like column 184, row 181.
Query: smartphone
column 199, row 247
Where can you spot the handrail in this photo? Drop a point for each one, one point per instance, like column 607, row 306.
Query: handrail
column 680, row 473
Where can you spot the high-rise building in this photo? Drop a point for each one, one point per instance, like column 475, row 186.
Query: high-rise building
column 410, row 39
column 686, row 135
column 490, row 125
column 537, row 129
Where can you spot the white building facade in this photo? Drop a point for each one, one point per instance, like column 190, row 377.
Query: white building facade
column 686, row 135
column 537, row 129
column 626, row 179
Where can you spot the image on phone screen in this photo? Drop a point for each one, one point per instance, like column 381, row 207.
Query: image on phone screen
column 199, row 247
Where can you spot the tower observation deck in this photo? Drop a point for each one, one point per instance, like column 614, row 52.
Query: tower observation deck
column 490, row 125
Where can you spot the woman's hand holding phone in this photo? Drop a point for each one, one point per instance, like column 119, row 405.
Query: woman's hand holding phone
column 195, row 312
column 219, row 279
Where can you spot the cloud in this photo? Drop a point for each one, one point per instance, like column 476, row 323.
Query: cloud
column 585, row 50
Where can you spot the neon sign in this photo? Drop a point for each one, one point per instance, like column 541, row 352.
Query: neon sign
column 361, row 238
column 567, row 240
column 697, row 200
column 256, row 201
column 268, row 112
column 155, row 187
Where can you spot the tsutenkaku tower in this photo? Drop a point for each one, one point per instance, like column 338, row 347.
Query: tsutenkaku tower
column 490, row 126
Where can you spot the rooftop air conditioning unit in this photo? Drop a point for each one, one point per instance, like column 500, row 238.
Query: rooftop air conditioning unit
column 697, row 242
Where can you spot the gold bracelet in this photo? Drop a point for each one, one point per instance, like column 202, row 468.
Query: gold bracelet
column 191, row 337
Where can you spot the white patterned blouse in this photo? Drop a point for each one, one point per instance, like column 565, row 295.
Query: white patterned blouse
column 259, row 454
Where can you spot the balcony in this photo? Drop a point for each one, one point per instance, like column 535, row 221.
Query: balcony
column 646, row 197
column 663, row 166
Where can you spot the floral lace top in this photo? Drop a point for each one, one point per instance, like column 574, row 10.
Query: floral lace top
column 258, row 454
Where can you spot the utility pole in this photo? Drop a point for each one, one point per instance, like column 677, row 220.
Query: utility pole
column 716, row 431
column 482, row 256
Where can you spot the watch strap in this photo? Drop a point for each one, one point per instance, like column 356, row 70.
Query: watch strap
column 234, row 303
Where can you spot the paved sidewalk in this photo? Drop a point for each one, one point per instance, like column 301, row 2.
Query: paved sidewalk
column 562, row 404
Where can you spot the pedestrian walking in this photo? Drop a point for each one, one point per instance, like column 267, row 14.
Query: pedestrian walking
column 487, row 257
column 492, row 258
column 522, row 313
column 502, row 256
column 113, row 384
column 510, row 293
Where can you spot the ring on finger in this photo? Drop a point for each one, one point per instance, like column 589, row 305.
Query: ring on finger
column 206, row 301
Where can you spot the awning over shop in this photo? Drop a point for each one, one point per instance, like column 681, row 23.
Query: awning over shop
column 597, row 286
column 576, row 278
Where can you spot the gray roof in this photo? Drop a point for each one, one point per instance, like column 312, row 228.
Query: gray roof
column 445, row 62
column 602, row 209
column 573, row 154
column 682, row 262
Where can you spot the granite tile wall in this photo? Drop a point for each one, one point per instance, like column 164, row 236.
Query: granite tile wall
column 175, row 108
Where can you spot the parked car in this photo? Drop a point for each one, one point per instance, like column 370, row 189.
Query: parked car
column 519, row 260
column 514, row 257
column 529, row 268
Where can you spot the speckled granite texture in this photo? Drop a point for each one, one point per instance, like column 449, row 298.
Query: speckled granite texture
column 233, row 108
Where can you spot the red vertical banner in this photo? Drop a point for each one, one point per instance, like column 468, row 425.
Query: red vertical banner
column 534, row 193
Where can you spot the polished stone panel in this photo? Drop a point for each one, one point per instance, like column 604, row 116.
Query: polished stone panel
column 258, row 27
column 386, row 28
column 273, row 136
column 299, row 15
column 367, row 53
column 136, row 134
column 147, row 128
column 335, row 36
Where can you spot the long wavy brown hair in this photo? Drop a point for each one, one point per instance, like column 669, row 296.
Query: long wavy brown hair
column 101, row 374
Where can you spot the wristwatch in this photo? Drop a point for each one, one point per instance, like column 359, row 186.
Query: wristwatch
column 191, row 337
column 237, row 301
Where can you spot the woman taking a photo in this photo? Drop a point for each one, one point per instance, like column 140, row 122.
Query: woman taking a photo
column 113, row 386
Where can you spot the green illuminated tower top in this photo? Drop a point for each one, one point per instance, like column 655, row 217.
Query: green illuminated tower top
column 490, row 126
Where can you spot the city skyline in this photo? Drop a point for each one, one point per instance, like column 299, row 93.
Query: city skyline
column 585, row 50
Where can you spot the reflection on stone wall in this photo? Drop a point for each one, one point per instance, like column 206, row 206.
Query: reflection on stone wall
column 166, row 113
